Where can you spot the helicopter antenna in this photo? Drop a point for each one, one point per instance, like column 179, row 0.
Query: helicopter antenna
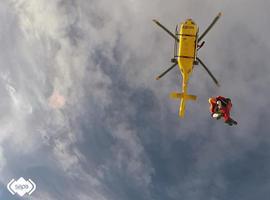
column 175, row 43
column 174, row 59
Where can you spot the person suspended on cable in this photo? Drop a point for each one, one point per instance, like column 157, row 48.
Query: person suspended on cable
column 220, row 107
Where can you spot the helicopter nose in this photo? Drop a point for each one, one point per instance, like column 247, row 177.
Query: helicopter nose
column 190, row 21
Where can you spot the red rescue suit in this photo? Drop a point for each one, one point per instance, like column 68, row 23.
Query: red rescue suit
column 224, row 109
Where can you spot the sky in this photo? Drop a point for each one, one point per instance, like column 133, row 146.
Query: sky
column 84, row 118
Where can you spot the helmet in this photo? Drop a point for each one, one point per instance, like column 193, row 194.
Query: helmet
column 211, row 100
column 228, row 99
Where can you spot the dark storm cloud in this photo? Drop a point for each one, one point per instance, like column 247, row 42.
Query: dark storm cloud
column 118, row 135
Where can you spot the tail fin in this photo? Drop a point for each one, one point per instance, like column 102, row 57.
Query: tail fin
column 183, row 97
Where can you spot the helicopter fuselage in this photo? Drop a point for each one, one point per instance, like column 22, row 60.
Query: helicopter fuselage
column 186, row 56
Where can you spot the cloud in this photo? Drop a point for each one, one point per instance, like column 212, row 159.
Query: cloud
column 83, row 113
column 51, row 67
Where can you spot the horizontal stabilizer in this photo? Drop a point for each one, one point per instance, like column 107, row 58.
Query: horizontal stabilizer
column 175, row 95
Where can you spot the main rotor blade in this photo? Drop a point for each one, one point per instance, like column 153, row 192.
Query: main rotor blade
column 208, row 71
column 165, row 29
column 209, row 27
column 165, row 72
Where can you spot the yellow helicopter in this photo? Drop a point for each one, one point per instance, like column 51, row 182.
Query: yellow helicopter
column 185, row 56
